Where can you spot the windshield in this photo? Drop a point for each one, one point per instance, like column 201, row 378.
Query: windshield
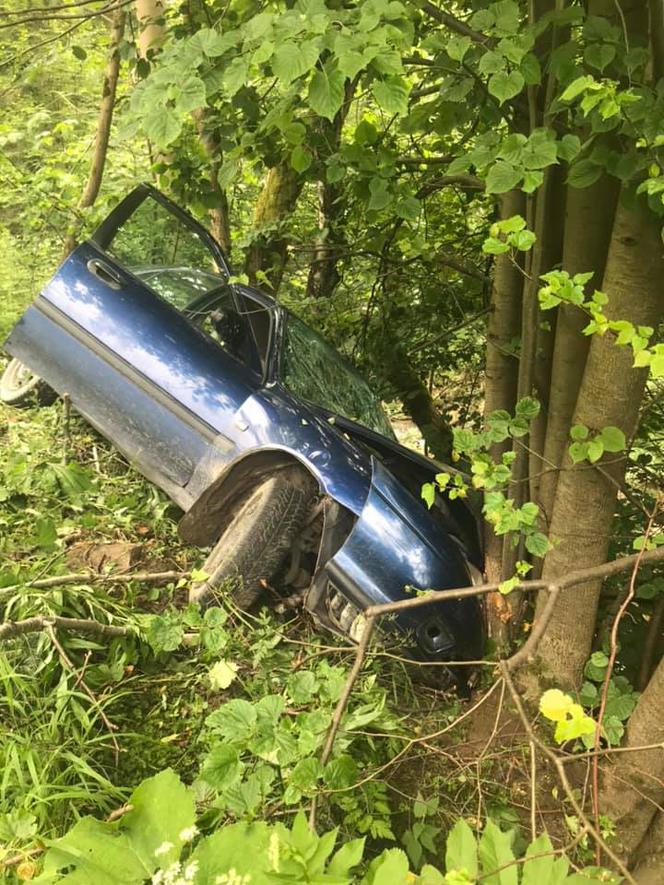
column 315, row 372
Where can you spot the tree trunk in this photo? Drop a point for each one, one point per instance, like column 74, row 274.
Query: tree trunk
column 589, row 217
column 611, row 393
column 150, row 22
column 219, row 214
column 323, row 272
column 551, row 253
column 501, row 374
column 267, row 254
column 633, row 785
column 104, row 121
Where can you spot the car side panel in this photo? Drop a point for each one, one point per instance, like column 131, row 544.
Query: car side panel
column 392, row 548
column 152, row 437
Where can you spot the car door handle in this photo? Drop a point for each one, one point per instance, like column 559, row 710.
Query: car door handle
column 105, row 273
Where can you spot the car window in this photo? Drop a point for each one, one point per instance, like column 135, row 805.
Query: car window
column 260, row 323
column 314, row 371
column 159, row 248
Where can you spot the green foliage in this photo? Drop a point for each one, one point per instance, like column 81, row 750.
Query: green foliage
column 158, row 838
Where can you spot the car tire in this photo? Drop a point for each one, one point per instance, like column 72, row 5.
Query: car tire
column 21, row 387
column 254, row 545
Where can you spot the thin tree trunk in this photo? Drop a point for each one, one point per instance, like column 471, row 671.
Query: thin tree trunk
column 550, row 257
column 633, row 786
column 611, row 393
column 219, row 214
column 323, row 272
column 150, row 22
column 501, row 376
column 588, row 222
column 267, row 254
column 104, row 121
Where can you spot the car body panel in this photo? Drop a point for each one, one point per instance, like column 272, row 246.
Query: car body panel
column 392, row 552
column 189, row 415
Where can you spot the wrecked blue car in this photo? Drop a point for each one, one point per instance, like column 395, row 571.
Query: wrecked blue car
column 274, row 447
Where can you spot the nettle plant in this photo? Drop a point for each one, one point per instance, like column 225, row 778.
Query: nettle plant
column 159, row 840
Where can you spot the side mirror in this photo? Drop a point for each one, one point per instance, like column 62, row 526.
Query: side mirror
column 228, row 325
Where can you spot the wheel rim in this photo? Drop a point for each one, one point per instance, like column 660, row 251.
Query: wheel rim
column 18, row 377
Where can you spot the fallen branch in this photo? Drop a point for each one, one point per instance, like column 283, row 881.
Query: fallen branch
column 10, row 629
column 96, row 578
column 342, row 704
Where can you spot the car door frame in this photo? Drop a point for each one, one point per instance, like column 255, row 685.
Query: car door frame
column 104, row 233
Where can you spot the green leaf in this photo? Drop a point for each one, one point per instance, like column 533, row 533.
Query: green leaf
column 428, row 494
column 491, row 63
column 583, row 173
column 568, row 147
column 192, row 95
column 599, row 55
column 457, row 47
column 504, row 86
column 538, row 870
column 531, row 181
column 347, row 857
column 326, row 91
column 304, row 777
column 537, row 544
column 391, row 95
column 578, row 452
column 222, row 674
column 613, row 439
column 380, row 195
column 595, row 450
column 577, row 87
column 613, row 730
column 390, row 868
column 527, row 407
column 293, row 60
column 495, row 851
column 579, row 432
column 301, row 158
column 461, row 849
column 222, row 767
column 502, row 177
column 531, row 69
column 235, row 75
column 79, row 52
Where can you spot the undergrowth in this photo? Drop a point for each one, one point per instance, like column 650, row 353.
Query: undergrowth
column 236, row 705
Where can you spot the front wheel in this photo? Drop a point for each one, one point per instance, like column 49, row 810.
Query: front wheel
column 254, row 546
column 19, row 386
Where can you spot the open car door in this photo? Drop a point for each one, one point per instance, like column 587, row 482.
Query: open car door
column 115, row 330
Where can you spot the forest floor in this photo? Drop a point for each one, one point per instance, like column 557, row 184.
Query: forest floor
column 84, row 720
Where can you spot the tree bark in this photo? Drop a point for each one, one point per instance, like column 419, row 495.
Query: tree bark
column 219, row 214
column 589, row 218
column 633, row 785
column 324, row 273
column 611, row 393
column 267, row 254
column 104, row 121
column 151, row 29
column 501, row 374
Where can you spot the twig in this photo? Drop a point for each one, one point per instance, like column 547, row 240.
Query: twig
column 562, row 774
column 66, row 660
column 579, row 576
column 343, row 702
